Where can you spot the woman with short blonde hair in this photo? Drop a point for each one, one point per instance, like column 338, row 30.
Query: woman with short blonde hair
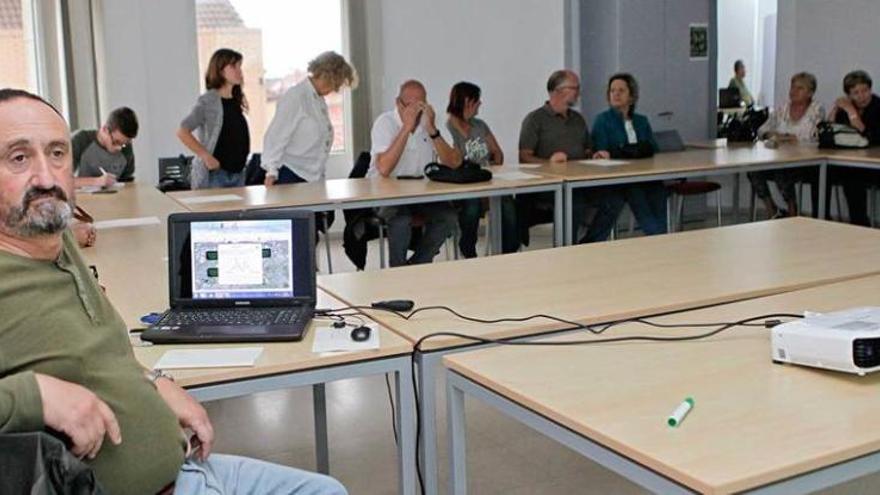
column 299, row 138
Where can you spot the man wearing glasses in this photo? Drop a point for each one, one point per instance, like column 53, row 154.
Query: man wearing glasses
column 102, row 157
column 557, row 133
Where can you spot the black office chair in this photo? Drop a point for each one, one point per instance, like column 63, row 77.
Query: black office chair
column 362, row 224
column 37, row 462
column 174, row 173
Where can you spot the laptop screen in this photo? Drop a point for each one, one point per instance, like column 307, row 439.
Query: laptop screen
column 241, row 259
column 229, row 258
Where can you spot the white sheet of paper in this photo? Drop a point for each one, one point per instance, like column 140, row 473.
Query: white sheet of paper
column 603, row 162
column 214, row 198
column 126, row 222
column 514, row 175
column 209, row 358
column 329, row 339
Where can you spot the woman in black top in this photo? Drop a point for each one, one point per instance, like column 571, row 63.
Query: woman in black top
column 224, row 140
column 860, row 108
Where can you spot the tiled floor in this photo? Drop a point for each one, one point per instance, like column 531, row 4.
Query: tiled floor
column 505, row 457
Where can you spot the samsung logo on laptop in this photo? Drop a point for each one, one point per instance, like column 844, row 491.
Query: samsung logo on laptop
column 242, row 303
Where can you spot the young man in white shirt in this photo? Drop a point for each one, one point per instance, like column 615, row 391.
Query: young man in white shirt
column 404, row 141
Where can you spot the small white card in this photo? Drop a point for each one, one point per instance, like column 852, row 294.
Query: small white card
column 209, row 358
column 514, row 175
column 603, row 162
column 214, row 198
column 126, row 222
column 329, row 339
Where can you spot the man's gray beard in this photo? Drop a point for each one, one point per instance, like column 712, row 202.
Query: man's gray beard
column 46, row 218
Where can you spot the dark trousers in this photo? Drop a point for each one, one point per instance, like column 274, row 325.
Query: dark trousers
column 287, row 176
column 855, row 182
column 469, row 213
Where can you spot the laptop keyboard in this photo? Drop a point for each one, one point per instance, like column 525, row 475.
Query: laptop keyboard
column 232, row 317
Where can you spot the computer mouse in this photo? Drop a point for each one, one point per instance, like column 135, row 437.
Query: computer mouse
column 360, row 334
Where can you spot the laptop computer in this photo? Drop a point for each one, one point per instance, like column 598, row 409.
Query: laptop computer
column 243, row 276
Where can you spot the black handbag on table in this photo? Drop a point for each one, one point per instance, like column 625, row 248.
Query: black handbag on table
column 467, row 173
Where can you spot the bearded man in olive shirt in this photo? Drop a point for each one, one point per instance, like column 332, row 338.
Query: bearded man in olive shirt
column 66, row 365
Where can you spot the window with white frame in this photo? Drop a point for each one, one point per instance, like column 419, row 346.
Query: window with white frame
column 277, row 39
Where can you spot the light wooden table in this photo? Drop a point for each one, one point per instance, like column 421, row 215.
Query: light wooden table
column 373, row 193
column 755, row 425
column 731, row 160
column 132, row 262
column 604, row 282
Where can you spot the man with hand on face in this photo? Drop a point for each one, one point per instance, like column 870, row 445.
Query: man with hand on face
column 557, row 133
column 404, row 141
column 66, row 363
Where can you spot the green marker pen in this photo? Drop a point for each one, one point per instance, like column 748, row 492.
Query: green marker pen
column 680, row 412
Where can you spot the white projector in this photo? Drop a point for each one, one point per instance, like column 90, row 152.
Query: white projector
column 846, row 341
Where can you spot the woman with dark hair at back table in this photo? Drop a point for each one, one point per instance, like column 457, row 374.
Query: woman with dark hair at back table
column 860, row 109
column 620, row 127
column 224, row 139
column 793, row 122
column 476, row 143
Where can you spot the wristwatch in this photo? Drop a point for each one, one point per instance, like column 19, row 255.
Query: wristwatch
column 155, row 374
column 435, row 135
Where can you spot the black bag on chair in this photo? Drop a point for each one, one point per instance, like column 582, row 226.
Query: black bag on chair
column 744, row 128
column 467, row 173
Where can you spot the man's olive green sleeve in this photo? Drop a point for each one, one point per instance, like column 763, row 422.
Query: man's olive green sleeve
column 21, row 407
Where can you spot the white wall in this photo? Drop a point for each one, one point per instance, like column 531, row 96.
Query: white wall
column 828, row 38
column 507, row 47
column 148, row 61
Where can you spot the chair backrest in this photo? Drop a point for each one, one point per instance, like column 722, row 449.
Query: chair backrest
column 668, row 141
column 728, row 98
column 253, row 173
column 361, row 166
column 174, row 173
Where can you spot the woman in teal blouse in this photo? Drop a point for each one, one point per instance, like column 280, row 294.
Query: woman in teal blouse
column 625, row 134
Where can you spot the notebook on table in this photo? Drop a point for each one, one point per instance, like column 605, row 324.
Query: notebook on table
column 242, row 276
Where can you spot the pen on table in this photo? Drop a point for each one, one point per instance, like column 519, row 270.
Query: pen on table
column 680, row 412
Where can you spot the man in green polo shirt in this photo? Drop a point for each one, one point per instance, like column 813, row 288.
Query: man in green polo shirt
column 66, row 364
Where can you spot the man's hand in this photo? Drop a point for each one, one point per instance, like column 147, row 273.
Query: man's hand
column 601, row 155
column 270, row 180
column 85, row 233
column 411, row 114
column 106, row 179
column 558, row 157
column 79, row 414
column 189, row 412
column 210, row 162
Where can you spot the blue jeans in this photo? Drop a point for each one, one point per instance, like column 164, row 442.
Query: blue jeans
column 226, row 474
column 222, row 178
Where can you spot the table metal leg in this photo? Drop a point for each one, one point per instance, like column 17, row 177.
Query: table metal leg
column 406, row 427
column 456, row 429
column 327, row 241
column 427, row 382
column 823, row 186
column 736, row 182
column 495, row 224
column 566, row 227
column 319, row 398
